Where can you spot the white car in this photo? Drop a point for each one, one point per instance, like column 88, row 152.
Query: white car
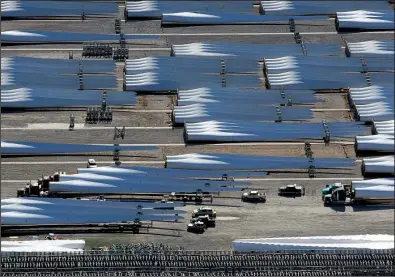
column 204, row 211
column 91, row 163
column 254, row 196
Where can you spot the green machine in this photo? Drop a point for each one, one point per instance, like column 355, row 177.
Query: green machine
column 330, row 188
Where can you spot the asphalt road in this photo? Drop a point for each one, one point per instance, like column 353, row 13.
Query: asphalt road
column 280, row 216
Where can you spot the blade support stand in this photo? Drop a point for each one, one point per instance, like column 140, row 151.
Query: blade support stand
column 279, row 115
column 72, row 119
column 119, row 133
column 116, row 155
column 327, row 133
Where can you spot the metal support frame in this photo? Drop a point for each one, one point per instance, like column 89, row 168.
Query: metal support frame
column 297, row 37
column 304, row 50
column 81, row 76
column 364, row 65
column 104, row 101
column 311, row 169
column 122, row 40
column 282, row 93
column 327, row 133
column 119, row 133
column 223, row 73
column 120, row 54
column 279, row 115
column 117, row 26
column 289, row 101
column 368, row 79
column 96, row 50
column 103, row 113
column 116, row 155
column 307, row 150
column 72, row 120
column 223, row 80
column 292, row 26
column 366, row 71
column 309, row 154
column 223, row 67
column 71, row 55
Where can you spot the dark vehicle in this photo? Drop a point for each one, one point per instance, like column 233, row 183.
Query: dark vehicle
column 292, row 190
column 254, row 196
column 206, row 219
column 196, row 227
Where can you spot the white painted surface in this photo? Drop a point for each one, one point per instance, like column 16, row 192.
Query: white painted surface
column 315, row 243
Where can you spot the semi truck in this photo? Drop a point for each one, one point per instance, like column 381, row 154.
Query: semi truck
column 330, row 188
column 359, row 194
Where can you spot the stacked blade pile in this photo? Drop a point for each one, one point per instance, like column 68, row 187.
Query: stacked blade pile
column 133, row 171
column 211, row 18
column 373, row 103
column 244, row 131
column 173, row 73
column 55, row 211
column 43, row 246
column 41, row 148
column 48, row 98
column 21, row 72
column 381, row 141
column 378, row 64
column 302, row 72
column 365, row 20
column 123, row 184
column 155, row 8
column 207, row 161
column 382, row 188
column 316, row 7
column 383, row 127
column 256, row 51
column 371, row 48
column 205, row 13
column 44, row 37
column 241, row 111
column 42, row 9
column 314, row 243
column 259, row 97
column 375, row 143
column 381, row 165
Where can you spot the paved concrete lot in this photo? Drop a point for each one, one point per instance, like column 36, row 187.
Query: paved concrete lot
column 279, row 216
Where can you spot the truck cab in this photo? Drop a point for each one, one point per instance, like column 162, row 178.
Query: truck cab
column 330, row 188
column 337, row 197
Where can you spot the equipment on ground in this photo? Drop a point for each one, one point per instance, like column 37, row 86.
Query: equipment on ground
column 72, row 122
column 254, row 196
column 204, row 211
column 119, row 133
column 293, row 190
column 102, row 114
column 91, row 163
column 196, row 227
column 134, row 227
column 206, row 219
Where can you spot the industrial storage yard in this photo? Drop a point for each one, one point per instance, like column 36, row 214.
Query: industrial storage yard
column 207, row 100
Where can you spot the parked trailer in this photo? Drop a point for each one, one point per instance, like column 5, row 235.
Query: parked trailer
column 363, row 193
